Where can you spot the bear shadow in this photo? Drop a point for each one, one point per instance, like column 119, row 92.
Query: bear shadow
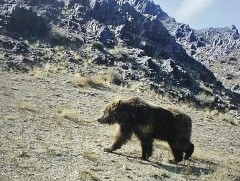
column 189, row 167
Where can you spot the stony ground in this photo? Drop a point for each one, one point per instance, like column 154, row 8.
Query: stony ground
column 48, row 132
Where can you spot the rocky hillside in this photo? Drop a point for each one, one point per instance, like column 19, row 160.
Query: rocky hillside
column 134, row 37
column 217, row 48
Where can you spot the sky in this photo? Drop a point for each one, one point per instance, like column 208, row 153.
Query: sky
column 203, row 13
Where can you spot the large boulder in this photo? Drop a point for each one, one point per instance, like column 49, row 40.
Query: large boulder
column 107, row 37
column 14, row 46
column 24, row 20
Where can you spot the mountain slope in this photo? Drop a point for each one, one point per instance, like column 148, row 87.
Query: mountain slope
column 130, row 36
column 48, row 132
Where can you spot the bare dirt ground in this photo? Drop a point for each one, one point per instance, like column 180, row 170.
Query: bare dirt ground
column 48, row 132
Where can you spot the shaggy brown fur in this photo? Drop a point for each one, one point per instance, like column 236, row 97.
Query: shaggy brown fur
column 149, row 122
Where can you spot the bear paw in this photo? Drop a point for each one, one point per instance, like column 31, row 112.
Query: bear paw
column 173, row 161
column 107, row 150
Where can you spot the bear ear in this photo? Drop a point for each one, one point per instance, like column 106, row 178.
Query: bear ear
column 119, row 103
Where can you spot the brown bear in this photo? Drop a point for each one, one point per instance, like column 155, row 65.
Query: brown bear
column 149, row 122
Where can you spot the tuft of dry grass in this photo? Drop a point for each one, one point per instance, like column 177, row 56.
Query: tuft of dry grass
column 37, row 73
column 68, row 114
column 222, row 116
column 206, row 89
column 85, row 175
column 48, row 70
column 227, row 118
column 112, row 76
column 119, row 52
column 87, row 63
column 204, row 98
column 27, row 105
column 90, row 155
column 2, row 56
column 88, row 80
column 134, row 86
column 51, row 69
column 11, row 117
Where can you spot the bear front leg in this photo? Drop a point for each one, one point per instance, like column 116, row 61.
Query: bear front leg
column 118, row 142
column 122, row 136
column 147, row 148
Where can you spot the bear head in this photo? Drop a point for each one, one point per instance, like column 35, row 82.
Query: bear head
column 111, row 113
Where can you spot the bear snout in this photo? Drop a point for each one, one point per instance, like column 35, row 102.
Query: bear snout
column 100, row 119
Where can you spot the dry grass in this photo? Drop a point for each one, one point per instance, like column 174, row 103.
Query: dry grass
column 119, row 52
column 27, row 105
column 2, row 57
column 205, row 89
column 90, row 155
column 85, row 175
column 134, row 86
column 112, row 76
column 234, row 165
column 11, row 117
column 37, row 73
column 88, row 80
column 68, row 114
column 48, row 70
column 204, row 98
column 87, row 63
column 222, row 116
column 227, row 118
column 211, row 112
column 51, row 69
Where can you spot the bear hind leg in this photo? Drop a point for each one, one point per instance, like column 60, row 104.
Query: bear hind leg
column 187, row 147
column 177, row 154
column 147, row 148
column 189, row 151
column 122, row 136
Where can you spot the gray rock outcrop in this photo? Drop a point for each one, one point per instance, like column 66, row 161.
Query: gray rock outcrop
column 149, row 45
